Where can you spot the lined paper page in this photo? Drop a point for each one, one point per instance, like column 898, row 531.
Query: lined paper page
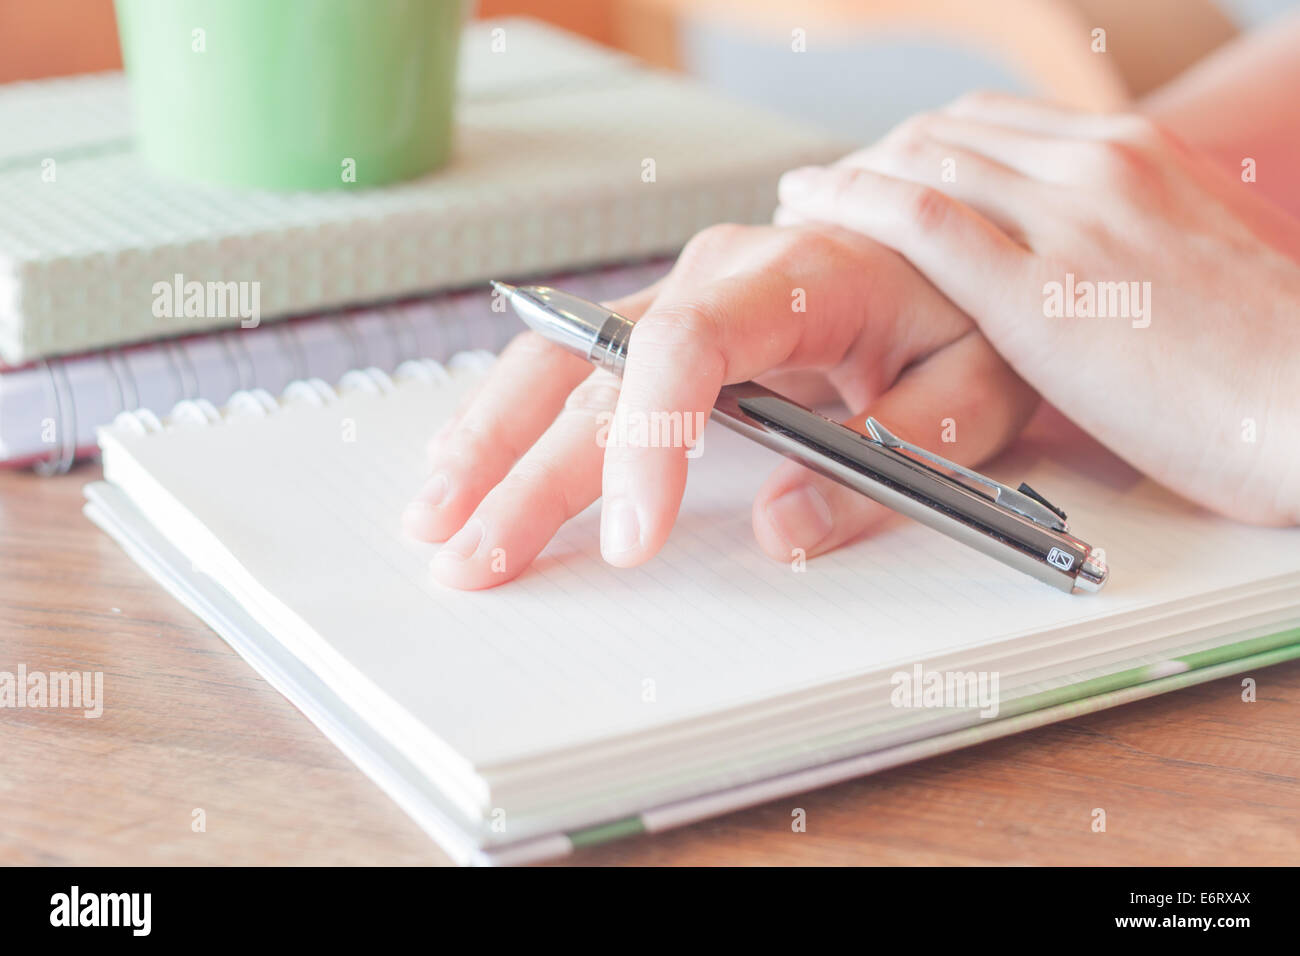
column 561, row 656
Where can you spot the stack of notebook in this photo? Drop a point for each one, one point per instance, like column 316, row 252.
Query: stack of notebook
column 567, row 157
column 580, row 703
column 49, row 410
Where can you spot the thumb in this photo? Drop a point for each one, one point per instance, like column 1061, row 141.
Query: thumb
column 964, row 391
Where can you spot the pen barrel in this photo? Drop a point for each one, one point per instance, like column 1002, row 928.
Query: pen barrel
column 909, row 487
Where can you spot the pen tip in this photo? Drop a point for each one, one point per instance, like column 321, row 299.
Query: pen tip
column 502, row 287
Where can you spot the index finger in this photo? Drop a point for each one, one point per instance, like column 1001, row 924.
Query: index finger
column 516, row 403
column 700, row 335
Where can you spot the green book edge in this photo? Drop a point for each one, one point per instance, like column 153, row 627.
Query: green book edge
column 1092, row 695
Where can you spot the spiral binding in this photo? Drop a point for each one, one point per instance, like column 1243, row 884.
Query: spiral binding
column 65, row 421
column 259, row 403
column 429, row 326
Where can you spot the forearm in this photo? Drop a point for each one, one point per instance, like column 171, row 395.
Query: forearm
column 1240, row 104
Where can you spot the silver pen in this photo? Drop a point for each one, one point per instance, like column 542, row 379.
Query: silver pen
column 1017, row 526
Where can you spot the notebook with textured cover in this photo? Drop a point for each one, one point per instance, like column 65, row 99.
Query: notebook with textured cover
column 49, row 410
column 579, row 700
column 567, row 155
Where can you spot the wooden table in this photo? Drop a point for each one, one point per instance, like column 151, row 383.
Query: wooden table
column 1194, row 777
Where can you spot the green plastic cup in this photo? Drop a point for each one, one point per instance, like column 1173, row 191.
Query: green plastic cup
column 292, row 94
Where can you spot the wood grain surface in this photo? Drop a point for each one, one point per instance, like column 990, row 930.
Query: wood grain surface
column 1198, row 776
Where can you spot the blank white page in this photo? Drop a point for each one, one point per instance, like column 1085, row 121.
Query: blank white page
column 559, row 657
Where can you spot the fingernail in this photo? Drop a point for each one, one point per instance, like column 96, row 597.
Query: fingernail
column 435, row 490
column 801, row 516
column 416, row 518
column 421, row 515
column 463, row 543
column 619, row 531
column 798, row 183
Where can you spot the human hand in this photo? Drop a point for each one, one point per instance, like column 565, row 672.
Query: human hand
column 1197, row 382
column 522, row 456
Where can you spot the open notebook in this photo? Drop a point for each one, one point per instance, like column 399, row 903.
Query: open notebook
column 581, row 702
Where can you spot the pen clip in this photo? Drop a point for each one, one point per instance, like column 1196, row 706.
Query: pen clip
column 1025, row 502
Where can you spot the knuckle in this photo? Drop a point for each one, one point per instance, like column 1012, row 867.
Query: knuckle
column 531, row 475
column 909, row 142
column 712, row 242
column 669, row 338
column 805, row 239
column 928, row 209
column 685, row 325
column 812, row 243
column 477, row 441
column 847, row 184
column 593, row 396
column 542, row 484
